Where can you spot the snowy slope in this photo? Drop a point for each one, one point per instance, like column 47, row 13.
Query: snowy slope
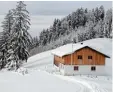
column 36, row 82
column 45, row 58
column 41, row 78
column 39, row 60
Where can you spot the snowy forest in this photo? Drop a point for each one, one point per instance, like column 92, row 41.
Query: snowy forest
column 81, row 25
column 16, row 44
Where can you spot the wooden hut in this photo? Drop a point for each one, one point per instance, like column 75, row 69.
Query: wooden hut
column 79, row 59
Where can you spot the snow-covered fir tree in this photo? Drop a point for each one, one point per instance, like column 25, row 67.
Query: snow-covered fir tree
column 20, row 38
column 108, row 24
column 5, row 37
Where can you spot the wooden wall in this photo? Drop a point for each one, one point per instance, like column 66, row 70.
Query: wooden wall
column 97, row 58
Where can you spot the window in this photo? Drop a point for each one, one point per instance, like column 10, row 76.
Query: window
column 79, row 57
column 93, row 68
column 75, row 68
column 89, row 57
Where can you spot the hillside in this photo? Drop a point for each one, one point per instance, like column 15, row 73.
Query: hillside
column 80, row 25
column 43, row 77
column 104, row 44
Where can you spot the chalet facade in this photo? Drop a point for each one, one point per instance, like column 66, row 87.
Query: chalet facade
column 72, row 59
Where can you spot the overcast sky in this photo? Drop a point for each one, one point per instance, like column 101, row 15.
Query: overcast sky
column 54, row 7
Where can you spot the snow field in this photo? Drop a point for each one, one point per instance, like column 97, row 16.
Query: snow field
column 42, row 76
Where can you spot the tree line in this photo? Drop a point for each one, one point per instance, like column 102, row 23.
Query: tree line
column 15, row 39
column 81, row 25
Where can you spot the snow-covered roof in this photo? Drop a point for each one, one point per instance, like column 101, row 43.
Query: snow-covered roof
column 71, row 48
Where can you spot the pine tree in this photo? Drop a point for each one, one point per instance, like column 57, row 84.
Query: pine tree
column 20, row 38
column 96, row 14
column 5, row 37
column 108, row 23
column 54, row 30
column 101, row 12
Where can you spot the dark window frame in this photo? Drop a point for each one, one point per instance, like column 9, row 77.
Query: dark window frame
column 76, row 68
column 93, row 68
column 79, row 56
column 90, row 57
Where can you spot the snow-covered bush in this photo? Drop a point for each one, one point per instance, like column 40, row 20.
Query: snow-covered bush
column 22, row 70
